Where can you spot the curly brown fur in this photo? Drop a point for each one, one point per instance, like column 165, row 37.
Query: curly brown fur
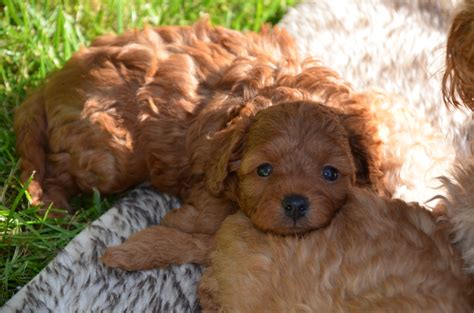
column 459, row 210
column 119, row 111
column 458, row 90
column 458, row 80
column 289, row 136
column 173, row 105
column 140, row 106
column 376, row 255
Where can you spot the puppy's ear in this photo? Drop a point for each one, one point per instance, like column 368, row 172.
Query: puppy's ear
column 365, row 147
column 227, row 148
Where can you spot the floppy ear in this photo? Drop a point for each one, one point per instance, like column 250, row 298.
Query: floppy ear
column 365, row 147
column 227, row 148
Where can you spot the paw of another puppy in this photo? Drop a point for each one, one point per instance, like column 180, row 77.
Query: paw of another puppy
column 54, row 205
column 50, row 204
column 52, row 210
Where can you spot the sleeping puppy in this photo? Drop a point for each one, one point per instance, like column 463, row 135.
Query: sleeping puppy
column 170, row 105
column 118, row 113
column 371, row 255
column 289, row 167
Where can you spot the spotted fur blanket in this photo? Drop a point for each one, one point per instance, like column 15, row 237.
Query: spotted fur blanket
column 396, row 45
column 76, row 281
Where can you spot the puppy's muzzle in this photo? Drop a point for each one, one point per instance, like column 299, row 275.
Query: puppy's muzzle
column 295, row 206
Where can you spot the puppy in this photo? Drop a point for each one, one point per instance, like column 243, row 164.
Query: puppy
column 372, row 255
column 355, row 251
column 141, row 106
column 289, row 167
column 422, row 139
column 172, row 105
column 118, row 113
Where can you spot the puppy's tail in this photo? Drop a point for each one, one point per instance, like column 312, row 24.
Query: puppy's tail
column 459, row 206
column 31, row 142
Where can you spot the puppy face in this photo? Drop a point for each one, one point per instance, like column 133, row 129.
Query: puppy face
column 296, row 169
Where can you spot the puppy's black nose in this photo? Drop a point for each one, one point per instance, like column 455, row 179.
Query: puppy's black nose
column 295, row 206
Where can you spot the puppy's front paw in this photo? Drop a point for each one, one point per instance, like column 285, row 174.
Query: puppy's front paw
column 157, row 247
column 125, row 257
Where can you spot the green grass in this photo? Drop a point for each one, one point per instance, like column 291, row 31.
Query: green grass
column 37, row 37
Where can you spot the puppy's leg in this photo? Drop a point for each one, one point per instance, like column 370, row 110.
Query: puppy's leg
column 159, row 246
column 58, row 188
column 185, row 235
column 202, row 213
column 191, row 219
column 58, row 195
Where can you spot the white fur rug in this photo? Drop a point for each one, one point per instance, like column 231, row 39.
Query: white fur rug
column 395, row 45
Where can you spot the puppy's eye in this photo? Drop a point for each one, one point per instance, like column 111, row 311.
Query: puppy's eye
column 330, row 173
column 264, row 170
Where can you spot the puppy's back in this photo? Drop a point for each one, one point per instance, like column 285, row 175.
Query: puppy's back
column 118, row 111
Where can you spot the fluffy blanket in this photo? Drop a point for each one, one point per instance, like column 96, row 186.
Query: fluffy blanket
column 76, row 280
column 395, row 45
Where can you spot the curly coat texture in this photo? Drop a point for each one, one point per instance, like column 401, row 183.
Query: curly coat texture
column 397, row 47
column 377, row 255
column 458, row 79
column 173, row 105
column 146, row 105
column 299, row 140
column 459, row 210
column 201, row 242
column 458, row 90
